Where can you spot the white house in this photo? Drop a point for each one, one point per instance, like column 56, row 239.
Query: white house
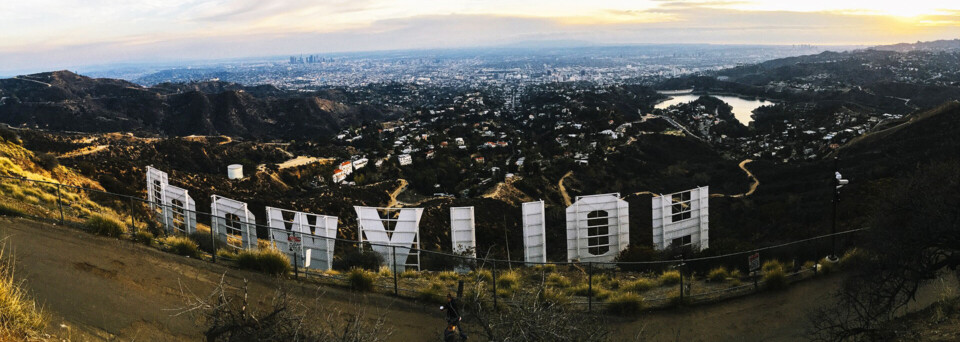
column 405, row 159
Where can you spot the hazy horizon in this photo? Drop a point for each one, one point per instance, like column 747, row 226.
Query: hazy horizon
column 48, row 35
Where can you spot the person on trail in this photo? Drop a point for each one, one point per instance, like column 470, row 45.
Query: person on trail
column 452, row 309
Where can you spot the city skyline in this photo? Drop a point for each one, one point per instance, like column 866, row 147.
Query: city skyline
column 47, row 35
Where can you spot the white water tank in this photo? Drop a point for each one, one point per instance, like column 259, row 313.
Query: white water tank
column 235, row 171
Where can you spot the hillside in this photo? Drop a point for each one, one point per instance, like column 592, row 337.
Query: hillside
column 65, row 101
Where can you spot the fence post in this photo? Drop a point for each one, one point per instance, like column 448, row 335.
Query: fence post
column 396, row 289
column 133, row 224
column 589, row 287
column 60, row 203
column 213, row 237
column 680, row 269
column 296, row 261
column 494, row 273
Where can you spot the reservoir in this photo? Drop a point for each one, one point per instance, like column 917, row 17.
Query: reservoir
column 742, row 108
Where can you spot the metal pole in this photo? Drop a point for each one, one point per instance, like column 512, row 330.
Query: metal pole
column 133, row 224
column 213, row 237
column 296, row 262
column 589, row 287
column 680, row 269
column 836, row 200
column 60, row 203
column 396, row 289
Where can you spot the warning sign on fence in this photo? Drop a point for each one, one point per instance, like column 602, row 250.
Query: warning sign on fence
column 754, row 260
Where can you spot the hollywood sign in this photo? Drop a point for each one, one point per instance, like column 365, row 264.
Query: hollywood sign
column 597, row 226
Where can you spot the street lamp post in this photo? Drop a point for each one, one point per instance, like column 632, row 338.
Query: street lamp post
column 838, row 182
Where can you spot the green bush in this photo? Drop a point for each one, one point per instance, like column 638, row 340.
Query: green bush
column 47, row 161
column 670, row 277
column 638, row 286
column 775, row 279
column 736, row 275
column 181, row 246
column 105, row 226
column 557, row 280
column 143, row 237
column 356, row 259
column 6, row 210
column 718, row 274
column 436, row 292
column 625, row 303
column 267, row 260
column 361, row 280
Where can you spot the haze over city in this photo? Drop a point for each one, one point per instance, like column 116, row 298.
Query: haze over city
column 60, row 34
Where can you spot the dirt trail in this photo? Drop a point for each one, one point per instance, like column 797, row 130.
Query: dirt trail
column 84, row 151
column 563, row 190
column 743, row 166
column 753, row 186
column 393, row 195
column 107, row 289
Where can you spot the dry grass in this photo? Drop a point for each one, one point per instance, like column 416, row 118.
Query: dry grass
column 181, row 245
column 106, row 226
column 267, row 260
column 670, row 277
column 638, row 286
column 20, row 319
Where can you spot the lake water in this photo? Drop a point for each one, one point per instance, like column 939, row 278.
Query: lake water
column 742, row 108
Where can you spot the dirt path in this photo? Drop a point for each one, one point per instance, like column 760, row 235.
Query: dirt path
column 393, row 195
column 84, row 151
column 753, row 186
column 302, row 160
column 743, row 166
column 95, row 288
column 563, row 190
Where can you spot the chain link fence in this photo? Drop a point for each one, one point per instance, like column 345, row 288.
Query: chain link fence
column 585, row 286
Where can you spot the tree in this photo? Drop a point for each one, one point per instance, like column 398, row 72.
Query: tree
column 914, row 237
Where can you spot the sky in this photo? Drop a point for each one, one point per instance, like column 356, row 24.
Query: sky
column 41, row 35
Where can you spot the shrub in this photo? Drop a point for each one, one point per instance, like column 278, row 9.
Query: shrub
column 143, row 237
column 267, row 260
column 853, row 258
column 47, row 161
column 625, row 303
column 181, row 246
column 409, row 274
column 203, row 240
column 227, row 253
column 638, row 286
column 826, row 267
column 736, row 274
column 551, row 297
column 508, row 281
column 384, row 271
column 448, row 275
column 356, row 259
column 6, row 210
column 775, row 279
column 670, row 277
column 557, row 280
column 675, row 299
column 482, row 275
column 436, row 292
column 105, row 226
column 361, row 280
column 718, row 274
column 772, row 265
column 547, row 268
